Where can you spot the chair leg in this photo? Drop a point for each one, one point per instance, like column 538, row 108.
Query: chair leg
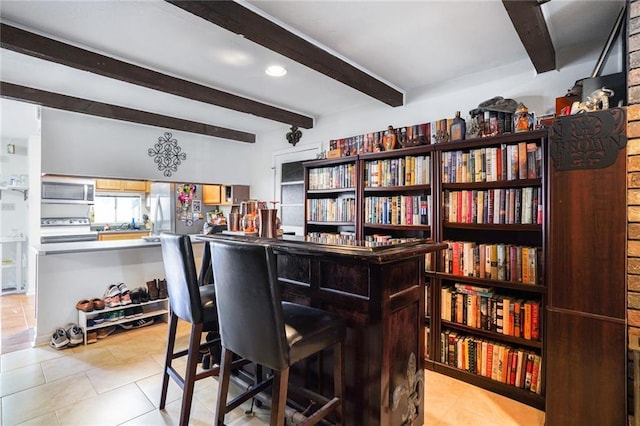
column 171, row 341
column 338, row 379
column 189, row 379
column 223, row 385
column 279, row 397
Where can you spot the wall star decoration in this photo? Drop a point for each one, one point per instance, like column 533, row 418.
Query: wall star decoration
column 167, row 154
column 293, row 137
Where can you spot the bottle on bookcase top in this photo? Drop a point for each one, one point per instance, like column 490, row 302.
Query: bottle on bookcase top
column 458, row 128
column 487, row 124
column 390, row 139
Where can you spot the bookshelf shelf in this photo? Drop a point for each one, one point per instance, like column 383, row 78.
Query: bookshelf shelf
column 519, row 183
column 493, row 335
column 329, row 191
column 532, row 288
column 405, row 188
column 389, row 185
column 426, row 228
column 494, row 226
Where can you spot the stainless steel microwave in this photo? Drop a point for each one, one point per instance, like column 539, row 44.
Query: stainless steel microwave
column 68, row 191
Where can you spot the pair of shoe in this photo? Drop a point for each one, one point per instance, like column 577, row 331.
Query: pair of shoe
column 139, row 295
column 95, row 320
column 142, row 322
column 114, row 315
column 105, row 331
column 117, row 295
column 157, row 289
column 88, row 305
column 67, row 337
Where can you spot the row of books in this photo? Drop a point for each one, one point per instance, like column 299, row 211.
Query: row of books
column 494, row 206
column 331, row 209
column 409, row 170
column 336, row 177
column 398, row 210
column 342, row 238
column 479, row 307
column 504, row 262
column 491, row 164
column 520, row 368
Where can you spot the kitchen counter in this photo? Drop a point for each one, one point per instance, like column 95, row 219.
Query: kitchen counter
column 65, row 273
column 89, row 246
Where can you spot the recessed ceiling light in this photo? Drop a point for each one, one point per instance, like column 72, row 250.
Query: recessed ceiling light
column 276, row 71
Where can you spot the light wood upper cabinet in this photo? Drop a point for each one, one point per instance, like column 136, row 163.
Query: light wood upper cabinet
column 211, row 194
column 108, row 185
column 134, row 185
column 121, row 185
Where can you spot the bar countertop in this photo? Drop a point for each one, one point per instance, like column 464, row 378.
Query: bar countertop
column 372, row 251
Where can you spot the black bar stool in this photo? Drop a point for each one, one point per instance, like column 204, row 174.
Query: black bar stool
column 255, row 324
column 192, row 303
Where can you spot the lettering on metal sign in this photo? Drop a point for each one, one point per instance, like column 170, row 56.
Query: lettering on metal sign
column 588, row 140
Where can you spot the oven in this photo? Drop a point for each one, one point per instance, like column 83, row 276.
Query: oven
column 66, row 230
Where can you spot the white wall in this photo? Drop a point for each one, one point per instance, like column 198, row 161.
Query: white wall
column 77, row 144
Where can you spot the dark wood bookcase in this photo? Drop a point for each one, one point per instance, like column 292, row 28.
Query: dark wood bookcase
column 435, row 224
column 587, row 308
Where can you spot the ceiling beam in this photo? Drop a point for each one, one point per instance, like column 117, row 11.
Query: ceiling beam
column 527, row 19
column 31, row 44
column 99, row 109
column 252, row 26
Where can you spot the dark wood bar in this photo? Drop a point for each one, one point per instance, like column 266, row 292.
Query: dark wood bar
column 379, row 289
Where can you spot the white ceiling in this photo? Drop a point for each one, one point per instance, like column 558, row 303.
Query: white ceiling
column 411, row 45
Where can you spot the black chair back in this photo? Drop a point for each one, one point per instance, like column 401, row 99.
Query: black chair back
column 249, row 304
column 181, row 275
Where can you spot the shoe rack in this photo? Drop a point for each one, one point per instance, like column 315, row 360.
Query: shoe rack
column 157, row 309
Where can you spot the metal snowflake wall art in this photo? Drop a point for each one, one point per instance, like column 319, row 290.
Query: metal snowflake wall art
column 167, row 154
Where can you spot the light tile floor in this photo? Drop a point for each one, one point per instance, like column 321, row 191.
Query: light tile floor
column 117, row 381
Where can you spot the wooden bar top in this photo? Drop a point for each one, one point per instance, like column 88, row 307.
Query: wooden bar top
column 371, row 251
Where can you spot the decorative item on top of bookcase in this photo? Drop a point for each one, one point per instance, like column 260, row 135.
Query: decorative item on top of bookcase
column 458, row 129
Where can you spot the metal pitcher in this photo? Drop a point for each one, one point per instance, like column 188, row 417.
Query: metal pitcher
column 267, row 223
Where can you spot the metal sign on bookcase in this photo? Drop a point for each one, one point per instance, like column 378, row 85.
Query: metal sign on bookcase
column 588, row 141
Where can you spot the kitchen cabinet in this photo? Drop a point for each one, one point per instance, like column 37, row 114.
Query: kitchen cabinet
column 110, row 236
column 211, row 194
column 121, row 185
column 235, row 194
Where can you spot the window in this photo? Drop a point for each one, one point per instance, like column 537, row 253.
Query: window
column 292, row 194
column 289, row 187
column 118, row 208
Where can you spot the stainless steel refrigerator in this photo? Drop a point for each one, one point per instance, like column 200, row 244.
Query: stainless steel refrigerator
column 177, row 208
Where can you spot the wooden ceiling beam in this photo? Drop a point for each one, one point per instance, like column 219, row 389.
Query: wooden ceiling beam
column 252, row 26
column 528, row 20
column 99, row 109
column 25, row 42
